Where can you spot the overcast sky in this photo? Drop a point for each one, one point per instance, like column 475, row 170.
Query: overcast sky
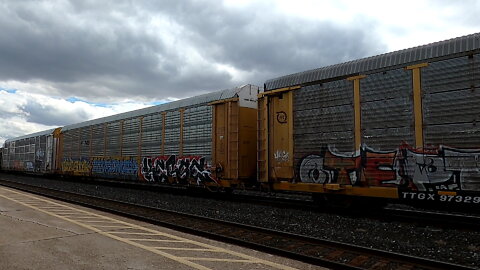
column 63, row 62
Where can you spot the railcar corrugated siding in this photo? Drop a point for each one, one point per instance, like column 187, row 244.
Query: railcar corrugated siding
column 386, row 109
column 172, row 133
column 384, row 61
column 323, row 116
column 152, row 127
column 4, row 157
column 113, row 139
column 70, row 144
column 451, row 102
column 197, row 132
column 7, row 156
column 131, row 136
column 451, row 114
column 39, row 155
column 84, row 142
column 98, row 140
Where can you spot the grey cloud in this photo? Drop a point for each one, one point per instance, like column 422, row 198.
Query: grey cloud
column 51, row 116
column 42, row 44
column 269, row 44
column 53, row 46
column 88, row 48
column 7, row 115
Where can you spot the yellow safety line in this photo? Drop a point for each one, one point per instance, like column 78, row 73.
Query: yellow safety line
column 248, row 258
column 189, row 249
column 175, row 258
column 216, row 259
column 62, row 212
column 134, row 233
column 154, row 240
column 96, row 221
column 111, row 226
column 67, row 211
column 162, row 240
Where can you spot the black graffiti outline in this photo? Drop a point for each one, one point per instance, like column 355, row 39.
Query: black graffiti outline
column 180, row 170
column 402, row 165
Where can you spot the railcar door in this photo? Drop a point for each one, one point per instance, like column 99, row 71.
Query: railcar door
column 280, row 131
column 225, row 140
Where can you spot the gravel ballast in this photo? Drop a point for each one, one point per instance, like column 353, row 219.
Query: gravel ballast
column 454, row 246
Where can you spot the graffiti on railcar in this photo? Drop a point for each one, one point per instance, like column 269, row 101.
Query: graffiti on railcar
column 39, row 154
column 39, row 160
column 426, row 171
column 313, row 171
column 378, row 168
column 76, row 165
column 443, row 168
column 369, row 168
column 281, row 156
column 18, row 165
column 440, row 168
column 182, row 169
column 344, row 169
column 125, row 166
column 29, row 166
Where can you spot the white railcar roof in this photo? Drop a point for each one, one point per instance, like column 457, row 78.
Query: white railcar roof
column 183, row 103
column 36, row 134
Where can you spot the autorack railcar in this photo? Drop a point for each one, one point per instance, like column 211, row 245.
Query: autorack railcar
column 402, row 125
column 399, row 126
column 33, row 153
column 205, row 140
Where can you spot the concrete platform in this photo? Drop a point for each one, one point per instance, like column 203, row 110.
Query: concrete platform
column 40, row 233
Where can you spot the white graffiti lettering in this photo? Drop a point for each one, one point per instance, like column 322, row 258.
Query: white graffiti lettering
column 281, row 156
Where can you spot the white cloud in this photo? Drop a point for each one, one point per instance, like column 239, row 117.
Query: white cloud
column 23, row 113
column 400, row 24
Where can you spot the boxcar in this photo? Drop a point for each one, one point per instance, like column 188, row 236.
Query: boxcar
column 402, row 125
column 33, row 153
column 205, row 140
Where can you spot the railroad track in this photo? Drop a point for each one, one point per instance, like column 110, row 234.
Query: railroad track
column 422, row 217
column 442, row 219
column 320, row 252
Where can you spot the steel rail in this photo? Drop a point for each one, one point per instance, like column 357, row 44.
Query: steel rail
column 321, row 252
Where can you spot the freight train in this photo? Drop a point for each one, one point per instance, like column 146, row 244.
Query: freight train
column 401, row 126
